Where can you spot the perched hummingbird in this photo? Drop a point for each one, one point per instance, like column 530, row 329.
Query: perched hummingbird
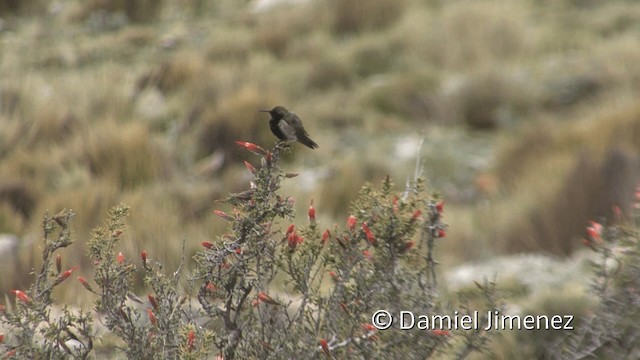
column 288, row 127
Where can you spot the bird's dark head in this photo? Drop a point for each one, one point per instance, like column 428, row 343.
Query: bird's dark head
column 277, row 112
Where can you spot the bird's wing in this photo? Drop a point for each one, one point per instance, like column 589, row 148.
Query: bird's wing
column 301, row 134
column 296, row 124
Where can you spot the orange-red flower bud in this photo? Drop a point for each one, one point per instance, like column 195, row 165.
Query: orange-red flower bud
column 223, row 215
column 153, row 302
column 120, row 258
column 206, row 244
column 324, row 345
column 369, row 327
column 251, row 147
column 594, row 231
column 370, row 238
column 20, row 295
column 291, row 229
column 440, row 207
column 293, row 240
column 325, row 236
column 312, row 212
column 152, row 317
column 65, row 275
column 416, row 215
column 262, row 296
column 442, row 233
column 249, row 167
column 440, row 332
column 143, row 256
column 191, row 340
column 351, row 222
column 85, row 283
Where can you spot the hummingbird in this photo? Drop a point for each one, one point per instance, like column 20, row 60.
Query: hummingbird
column 287, row 126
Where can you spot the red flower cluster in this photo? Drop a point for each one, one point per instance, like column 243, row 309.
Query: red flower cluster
column 367, row 232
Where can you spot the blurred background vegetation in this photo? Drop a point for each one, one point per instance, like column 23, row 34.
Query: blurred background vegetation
column 528, row 110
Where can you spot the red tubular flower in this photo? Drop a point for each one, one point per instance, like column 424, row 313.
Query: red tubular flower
column 291, row 229
column 238, row 251
column 325, row 236
column 65, row 275
column 407, row 246
column 416, row 215
column 152, row 317
column 440, row 207
column 263, row 297
column 369, row 327
column 249, row 167
column 367, row 254
column 395, row 204
column 206, row 244
column 442, row 233
column 85, row 283
column 594, row 231
column 143, row 256
column 370, row 238
column 1, row 338
column 251, row 147
column 294, row 240
column 439, row 332
column 191, row 340
column 211, row 288
column 20, row 295
column 324, row 345
column 312, row 212
column 120, row 258
column 351, row 222
column 223, row 215
column 153, row 302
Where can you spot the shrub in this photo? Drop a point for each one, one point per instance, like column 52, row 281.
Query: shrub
column 306, row 292
column 611, row 330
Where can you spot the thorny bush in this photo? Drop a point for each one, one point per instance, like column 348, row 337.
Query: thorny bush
column 266, row 289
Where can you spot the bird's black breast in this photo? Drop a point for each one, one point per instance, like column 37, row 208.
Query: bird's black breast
column 275, row 129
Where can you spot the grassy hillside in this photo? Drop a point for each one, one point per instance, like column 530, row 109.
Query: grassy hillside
column 528, row 112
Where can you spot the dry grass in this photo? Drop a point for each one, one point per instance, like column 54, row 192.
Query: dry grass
column 95, row 110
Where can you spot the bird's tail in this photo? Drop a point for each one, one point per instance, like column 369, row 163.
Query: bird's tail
column 305, row 140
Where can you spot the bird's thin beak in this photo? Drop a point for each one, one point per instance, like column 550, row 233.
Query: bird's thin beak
column 264, row 110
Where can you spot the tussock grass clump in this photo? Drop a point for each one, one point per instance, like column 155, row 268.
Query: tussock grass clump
column 234, row 116
column 489, row 99
column 329, row 72
column 469, row 34
column 137, row 11
column 353, row 16
column 411, row 96
column 124, row 153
